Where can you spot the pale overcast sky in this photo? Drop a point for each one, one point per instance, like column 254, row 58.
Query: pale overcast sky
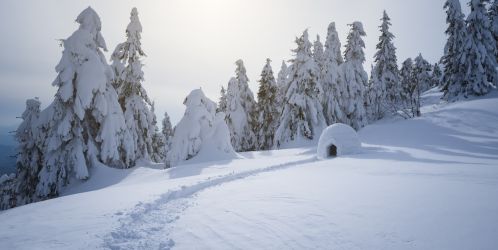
column 194, row 43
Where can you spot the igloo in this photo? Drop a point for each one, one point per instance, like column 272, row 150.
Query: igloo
column 336, row 140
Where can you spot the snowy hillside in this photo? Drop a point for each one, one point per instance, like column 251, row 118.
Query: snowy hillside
column 425, row 183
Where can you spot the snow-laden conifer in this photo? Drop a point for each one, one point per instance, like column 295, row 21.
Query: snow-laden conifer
column 20, row 188
column 436, row 75
column 133, row 98
column 8, row 191
column 318, row 55
column 477, row 57
column 493, row 17
column 453, row 68
column 167, row 131
column 410, row 95
column 282, row 74
column 222, row 103
column 241, row 115
column 376, row 97
column 268, row 109
column 423, row 73
column 29, row 155
column 383, row 90
column 355, row 77
column 408, row 88
column 282, row 84
column 158, row 141
column 332, row 82
column 302, row 118
column 84, row 126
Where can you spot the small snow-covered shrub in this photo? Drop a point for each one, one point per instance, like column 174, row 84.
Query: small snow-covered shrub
column 336, row 140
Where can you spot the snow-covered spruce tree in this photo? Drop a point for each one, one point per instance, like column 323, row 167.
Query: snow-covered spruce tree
column 302, row 118
column 383, row 91
column 84, row 126
column 493, row 16
column 222, row 103
column 332, row 82
column 8, row 191
column 436, row 75
column 421, row 82
column 355, row 77
column 407, row 108
column 29, row 155
column 133, row 98
column 268, row 109
column 318, row 55
column 241, row 115
column 200, row 129
column 478, row 56
column 167, row 132
column 423, row 73
column 282, row 75
column 412, row 76
column 20, row 189
column 376, row 97
column 248, row 103
column 159, row 147
column 158, row 141
column 454, row 70
column 281, row 84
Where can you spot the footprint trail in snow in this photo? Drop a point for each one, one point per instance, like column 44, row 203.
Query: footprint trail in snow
column 148, row 225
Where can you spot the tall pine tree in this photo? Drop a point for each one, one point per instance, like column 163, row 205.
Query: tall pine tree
column 241, row 115
column 158, row 141
column 409, row 96
column 222, row 103
column 133, row 98
column 453, row 68
column 355, row 77
column 84, row 126
column 333, row 83
column 383, row 90
column 436, row 75
column 493, row 16
column 282, row 84
column 167, row 131
column 302, row 118
column 424, row 78
column 268, row 109
column 319, row 56
column 477, row 57
column 20, row 189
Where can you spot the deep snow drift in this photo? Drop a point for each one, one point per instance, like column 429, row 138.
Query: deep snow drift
column 426, row 183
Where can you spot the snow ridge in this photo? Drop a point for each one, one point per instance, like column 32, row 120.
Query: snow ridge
column 149, row 225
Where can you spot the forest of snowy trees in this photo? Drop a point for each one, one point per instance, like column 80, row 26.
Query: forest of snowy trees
column 101, row 114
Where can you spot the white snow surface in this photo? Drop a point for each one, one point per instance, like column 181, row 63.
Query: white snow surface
column 425, row 183
column 340, row 135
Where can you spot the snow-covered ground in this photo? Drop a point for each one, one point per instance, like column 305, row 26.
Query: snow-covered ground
column 427, row 183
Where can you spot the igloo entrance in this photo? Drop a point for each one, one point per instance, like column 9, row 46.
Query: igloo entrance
column 332, row 151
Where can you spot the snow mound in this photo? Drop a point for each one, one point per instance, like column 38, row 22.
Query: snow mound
column 216, row 145
column 336, row 140
column 201, row 133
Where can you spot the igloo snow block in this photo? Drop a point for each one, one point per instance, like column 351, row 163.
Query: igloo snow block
column 336, row 140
